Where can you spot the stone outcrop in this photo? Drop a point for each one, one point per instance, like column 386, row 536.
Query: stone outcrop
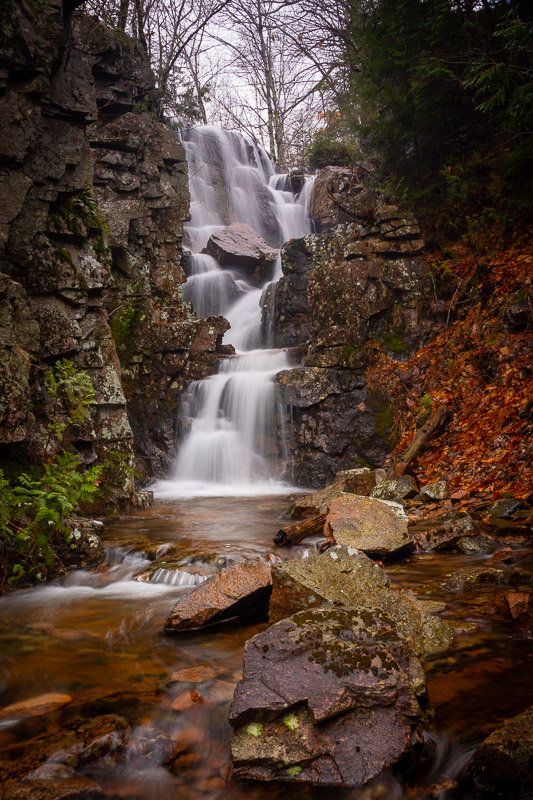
column 93, row 193
column 356, row 282
column 323, row 701
column 239, row 247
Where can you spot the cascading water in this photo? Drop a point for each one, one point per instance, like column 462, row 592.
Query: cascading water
column 230, row 448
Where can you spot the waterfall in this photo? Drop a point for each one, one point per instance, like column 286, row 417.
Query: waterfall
column 230, row 445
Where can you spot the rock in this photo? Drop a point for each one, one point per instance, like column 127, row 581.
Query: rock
column 323, row 701
column 183, row 701
column 241, row 590
column 503, row 554
column 76, row 787
column 239, row 247
column 317, row 503
column 84, row 549
column 508, row 515
column 471, row 545
column 196, row 674
column 443, row 532
column 502, row 763
column 396, row 488
column 434, row 491
column 465, row 579
column 345, row 577
column 36, row 706
column 373, row 526
column 357, row 481
column 330, row 197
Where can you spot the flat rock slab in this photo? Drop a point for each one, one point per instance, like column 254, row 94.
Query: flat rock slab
column 502, row 763
column 345, row 577
column 239, row 247
column 35, row 706
column 323, row 701
column 240, row 590
column 374, row 526
column 317, row 502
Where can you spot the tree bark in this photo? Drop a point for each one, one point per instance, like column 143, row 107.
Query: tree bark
column 292, row 534
column 426, row 432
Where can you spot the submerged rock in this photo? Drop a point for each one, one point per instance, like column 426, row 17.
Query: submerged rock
column 502, row 763
column 368, row 524
column 323, row 701
column 35, row 706
column 240, row 590
column 345, row 577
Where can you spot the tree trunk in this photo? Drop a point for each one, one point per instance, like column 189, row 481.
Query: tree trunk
column 292, row 534
column 426, row 432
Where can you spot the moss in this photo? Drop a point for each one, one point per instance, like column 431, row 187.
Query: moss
column 254, row 729
column 291, row 722
column 394, row 341
column 123, row 325
column 294, row 771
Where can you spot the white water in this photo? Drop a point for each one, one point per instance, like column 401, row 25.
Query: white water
column 230, row 448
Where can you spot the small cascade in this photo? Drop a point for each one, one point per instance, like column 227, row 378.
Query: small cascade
column 231, row 446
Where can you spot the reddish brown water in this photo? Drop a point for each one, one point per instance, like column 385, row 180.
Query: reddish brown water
column 97, row 636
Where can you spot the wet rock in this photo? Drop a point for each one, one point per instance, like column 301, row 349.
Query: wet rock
column 368, row 524
column 465, row 579
column 357, row 481
column 196, row 674
column 502, row 763
column 84, row 548
column 186, row 570
column 323, row 701
column 317, row 502
column 503, row 554
column 241, row 590
column 35, row 706
column 76, row 787
column 443, row 532
column 434, row 491
column 239, row 247
column 473, row 545
column 345, row 577
column 396, row 488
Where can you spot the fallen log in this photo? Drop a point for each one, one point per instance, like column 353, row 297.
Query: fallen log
column 292, row 534
column 426, row 432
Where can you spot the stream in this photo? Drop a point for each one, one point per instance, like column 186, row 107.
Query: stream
column 97, row 637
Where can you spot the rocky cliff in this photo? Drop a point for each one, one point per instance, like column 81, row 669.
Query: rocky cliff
column 93, row 194
column 346, row 291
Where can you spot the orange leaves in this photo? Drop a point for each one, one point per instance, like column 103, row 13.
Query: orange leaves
column 480, row 368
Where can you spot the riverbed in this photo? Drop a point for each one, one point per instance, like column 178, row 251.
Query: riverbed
column 96, row 637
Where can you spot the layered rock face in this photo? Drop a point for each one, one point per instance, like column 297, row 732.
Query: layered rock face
column 93, row 194
column 351, row 284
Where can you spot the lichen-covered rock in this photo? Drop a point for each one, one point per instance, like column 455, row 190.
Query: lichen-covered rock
column 92, row 202
column 340, row 289
column 376, row 527
column 434, row 491
column 317, row 502
column 502, row 763
column 396, row 488
column 240, row 590
column 323, row 701
column 345, row 577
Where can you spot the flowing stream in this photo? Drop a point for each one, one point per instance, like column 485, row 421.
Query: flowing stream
column 96, row 637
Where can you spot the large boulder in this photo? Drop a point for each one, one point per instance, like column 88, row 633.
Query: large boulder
column 240, row 590
column 503, row 762
column 376, row 527
column 239, row 247
column 345, row 577
column 322, row 700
